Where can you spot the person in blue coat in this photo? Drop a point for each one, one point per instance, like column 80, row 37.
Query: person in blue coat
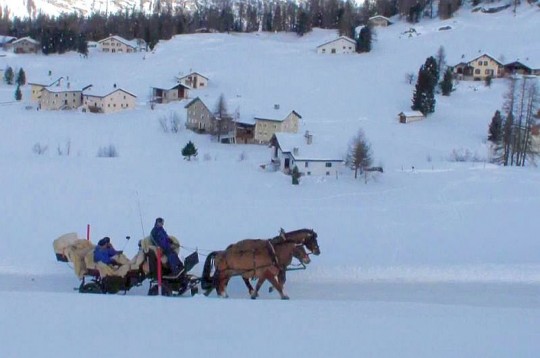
column 105, row 252
column 161, row 239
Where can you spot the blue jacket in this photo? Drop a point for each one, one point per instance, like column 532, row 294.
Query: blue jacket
column 104, row 254
column 160, row 237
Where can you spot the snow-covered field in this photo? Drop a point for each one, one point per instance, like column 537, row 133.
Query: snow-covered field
column 432, row 258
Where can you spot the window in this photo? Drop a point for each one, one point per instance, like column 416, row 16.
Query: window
column 328, row 165
column 308, row 173
column 488, row 72
column 327, row 173
column 485, row 63
column 306, row 164
column 477, row 71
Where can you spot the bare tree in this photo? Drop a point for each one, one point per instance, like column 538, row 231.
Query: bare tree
column 221, row 116
column 359, row 154
column 441, row 59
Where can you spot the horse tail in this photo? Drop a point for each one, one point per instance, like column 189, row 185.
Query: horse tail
column 207, row 282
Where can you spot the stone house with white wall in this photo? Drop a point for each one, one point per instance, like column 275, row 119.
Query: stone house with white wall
column 479, row 69
column 201, row 119
column 118, row 44
column 108, row 100
column 37, row 86
column 266, row 125
column 61, row 97
column 341, row 45
column 311, row 156
column 24, row 45
column 194, row 80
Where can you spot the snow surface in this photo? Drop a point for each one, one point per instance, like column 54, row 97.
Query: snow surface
column 432, row 258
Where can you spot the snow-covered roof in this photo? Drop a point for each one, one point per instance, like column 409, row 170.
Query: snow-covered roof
column 379, row 17
column 277, row 114
column 339, row 38
column 319, row 149
column 6, row 39
column 169, row 85
column 67, row 86
column 191, row 74
column 104, row 91
column 27, row 38
column 412, row 114
column 45, row 81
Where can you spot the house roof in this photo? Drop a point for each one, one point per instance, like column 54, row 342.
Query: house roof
column 379, row 17
column 6, row 39
column 530, row 64
column 339, row 38
column 487, row 55
column 411, row 114
column 45, row 82
column 277, row 115
column 131, row 43
column 319, row 150
column 67, row 87
column 102, row 92
column 27, row 38
column 170, row 85
column 192, row 73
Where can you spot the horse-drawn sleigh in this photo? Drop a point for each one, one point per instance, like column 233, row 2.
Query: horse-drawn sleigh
column 126, row 274
column 262, row 259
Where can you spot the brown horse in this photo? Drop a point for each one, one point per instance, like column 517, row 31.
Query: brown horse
column 255, row 259
column 284, row 260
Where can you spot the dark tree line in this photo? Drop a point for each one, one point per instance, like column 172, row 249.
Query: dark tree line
column 69, row 32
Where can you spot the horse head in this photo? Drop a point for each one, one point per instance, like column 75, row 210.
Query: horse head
column 311, row 242
column 301, row 255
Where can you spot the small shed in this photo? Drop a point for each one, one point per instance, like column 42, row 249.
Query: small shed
column 411, row 116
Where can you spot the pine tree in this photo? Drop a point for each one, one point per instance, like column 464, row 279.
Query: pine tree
column 424, row 92
column 363, row 43
column 82, row 45
column 447, row 85
column 423, row 97
column 189, row 151
column 495, row 128
column 8, row 75
column 21, row 78
column 18, row 94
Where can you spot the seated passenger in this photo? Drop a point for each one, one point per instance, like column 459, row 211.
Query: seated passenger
column 161, row 239
column 105, row 252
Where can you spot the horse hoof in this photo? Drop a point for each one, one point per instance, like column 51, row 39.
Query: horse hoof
column 253, row 297
column 285, row 297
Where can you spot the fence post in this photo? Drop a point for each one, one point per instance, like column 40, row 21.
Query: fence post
column 88, row 232
column 158, row 254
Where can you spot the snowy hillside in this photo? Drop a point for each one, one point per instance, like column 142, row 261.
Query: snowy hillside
column 431, row 258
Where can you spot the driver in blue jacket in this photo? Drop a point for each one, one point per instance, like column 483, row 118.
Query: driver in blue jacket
column 161, row 239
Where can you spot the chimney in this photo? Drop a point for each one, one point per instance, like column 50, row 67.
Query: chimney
column 295, row 150
column 68, row 85
column 114, row 85
column 309, row 137
column 276, row 106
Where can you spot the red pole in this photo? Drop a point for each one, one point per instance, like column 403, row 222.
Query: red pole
column 158, row 254
column 88, row 232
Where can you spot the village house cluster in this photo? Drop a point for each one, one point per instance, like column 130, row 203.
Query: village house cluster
column 274, row 126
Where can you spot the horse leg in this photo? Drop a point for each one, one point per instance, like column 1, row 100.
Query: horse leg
column 224, row 283
column 278, row 286
column 248, row 285
column 282, row 277
column 221, row 284
column 260, row 282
